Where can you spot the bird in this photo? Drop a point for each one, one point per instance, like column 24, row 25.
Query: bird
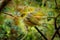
column 29, row 16
column 33, row 19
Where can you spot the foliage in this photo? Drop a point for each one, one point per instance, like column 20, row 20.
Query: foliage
column 19, row 17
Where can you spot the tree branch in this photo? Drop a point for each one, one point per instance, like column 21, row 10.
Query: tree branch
column 9, row 14
column 4, row 3
column 41, row 33
column 56, row 4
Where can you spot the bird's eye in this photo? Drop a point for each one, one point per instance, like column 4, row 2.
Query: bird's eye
column 22, row 15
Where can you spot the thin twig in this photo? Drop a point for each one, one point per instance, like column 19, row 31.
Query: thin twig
column 9, row 14
column 41, row 33
column 56, row 33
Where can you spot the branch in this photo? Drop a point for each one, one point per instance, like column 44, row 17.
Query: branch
column 57, row 32
column 9, row 14
column 56, row 4
column 4, row 3
column 40, row 33
column 58, row 15
column 55, row 23
column 56, row 20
